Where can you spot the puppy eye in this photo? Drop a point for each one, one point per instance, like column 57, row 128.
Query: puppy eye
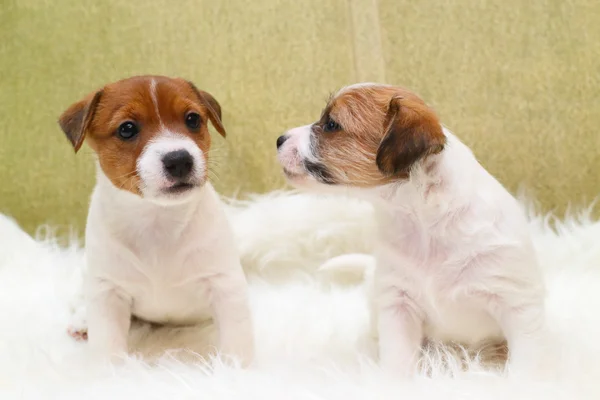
column 331, row 126
column 192, row 121
column 127, row 130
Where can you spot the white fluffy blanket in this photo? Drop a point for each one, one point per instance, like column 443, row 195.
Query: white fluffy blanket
column 312, row 335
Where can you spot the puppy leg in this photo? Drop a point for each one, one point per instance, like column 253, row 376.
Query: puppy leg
column 521, row 317
column 524, row 327
column 78, row 328
column 400, row 329
column 109, row 319
column 231, row 313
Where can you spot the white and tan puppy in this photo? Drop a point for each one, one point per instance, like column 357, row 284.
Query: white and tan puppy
column 158, row 244
column 455, row 262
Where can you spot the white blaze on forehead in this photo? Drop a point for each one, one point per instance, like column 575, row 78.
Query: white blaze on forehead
column 155, row 99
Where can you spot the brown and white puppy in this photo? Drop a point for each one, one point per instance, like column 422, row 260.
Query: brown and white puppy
column 454, row 259
column 158, row 244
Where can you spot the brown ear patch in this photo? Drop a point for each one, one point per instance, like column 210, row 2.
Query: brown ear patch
column 212, row 106
column 77, row 118
column 413, row 132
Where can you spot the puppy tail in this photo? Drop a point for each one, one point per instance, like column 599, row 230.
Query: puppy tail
column 348, row 269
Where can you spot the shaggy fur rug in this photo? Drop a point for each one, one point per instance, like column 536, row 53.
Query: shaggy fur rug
column 311, row 318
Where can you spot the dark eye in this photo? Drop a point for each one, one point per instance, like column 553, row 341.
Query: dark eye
column 331, row 126
column 127, row 130
column 192, row 121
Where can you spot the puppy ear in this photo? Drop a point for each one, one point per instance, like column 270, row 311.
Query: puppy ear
column 76, row 120
column 413, row 131
column 213, row 107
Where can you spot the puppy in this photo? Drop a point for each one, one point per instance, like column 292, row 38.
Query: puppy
column 158, row 244
column 455, row 262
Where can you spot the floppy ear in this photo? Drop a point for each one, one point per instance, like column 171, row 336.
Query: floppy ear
column 413, row 131
column 76, row 120
column 213, row 107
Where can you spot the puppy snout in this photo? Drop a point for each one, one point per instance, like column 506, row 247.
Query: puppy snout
column 281, row 140
column 178, row 164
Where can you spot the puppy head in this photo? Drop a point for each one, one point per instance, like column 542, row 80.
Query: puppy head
column 150, row 134
column 367, row 135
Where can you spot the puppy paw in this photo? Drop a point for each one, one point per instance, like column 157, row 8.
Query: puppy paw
column 399, row 367
column 401, row 372
column 77, row 328
column 243, row 352
column 530, row 367
column 79, row 335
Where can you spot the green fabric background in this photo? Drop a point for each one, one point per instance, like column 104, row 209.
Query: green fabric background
column 517, row 80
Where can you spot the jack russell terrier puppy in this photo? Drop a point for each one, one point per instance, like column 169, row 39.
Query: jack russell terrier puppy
column 455, row 262
column 158, row 244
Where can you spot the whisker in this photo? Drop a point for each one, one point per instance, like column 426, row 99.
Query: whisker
column 126, row 175
column 213, row 175
column 126, row 182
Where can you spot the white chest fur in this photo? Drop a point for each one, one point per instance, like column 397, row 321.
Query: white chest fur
column 161, row 257
column 174, row 264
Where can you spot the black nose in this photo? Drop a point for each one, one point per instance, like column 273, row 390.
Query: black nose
column 178, row 164
column 281, row 140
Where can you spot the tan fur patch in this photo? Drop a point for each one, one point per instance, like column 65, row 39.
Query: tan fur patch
column 134, row 99
column 383, row 131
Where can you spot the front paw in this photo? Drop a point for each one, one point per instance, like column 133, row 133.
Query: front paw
column 79, row 334
column 398, row 359
column 402, row 369
column 105, row 354
column 527, row 362
column 77, row 327
column 240, row 350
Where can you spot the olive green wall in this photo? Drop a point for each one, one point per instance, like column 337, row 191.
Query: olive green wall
column 517, row 80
